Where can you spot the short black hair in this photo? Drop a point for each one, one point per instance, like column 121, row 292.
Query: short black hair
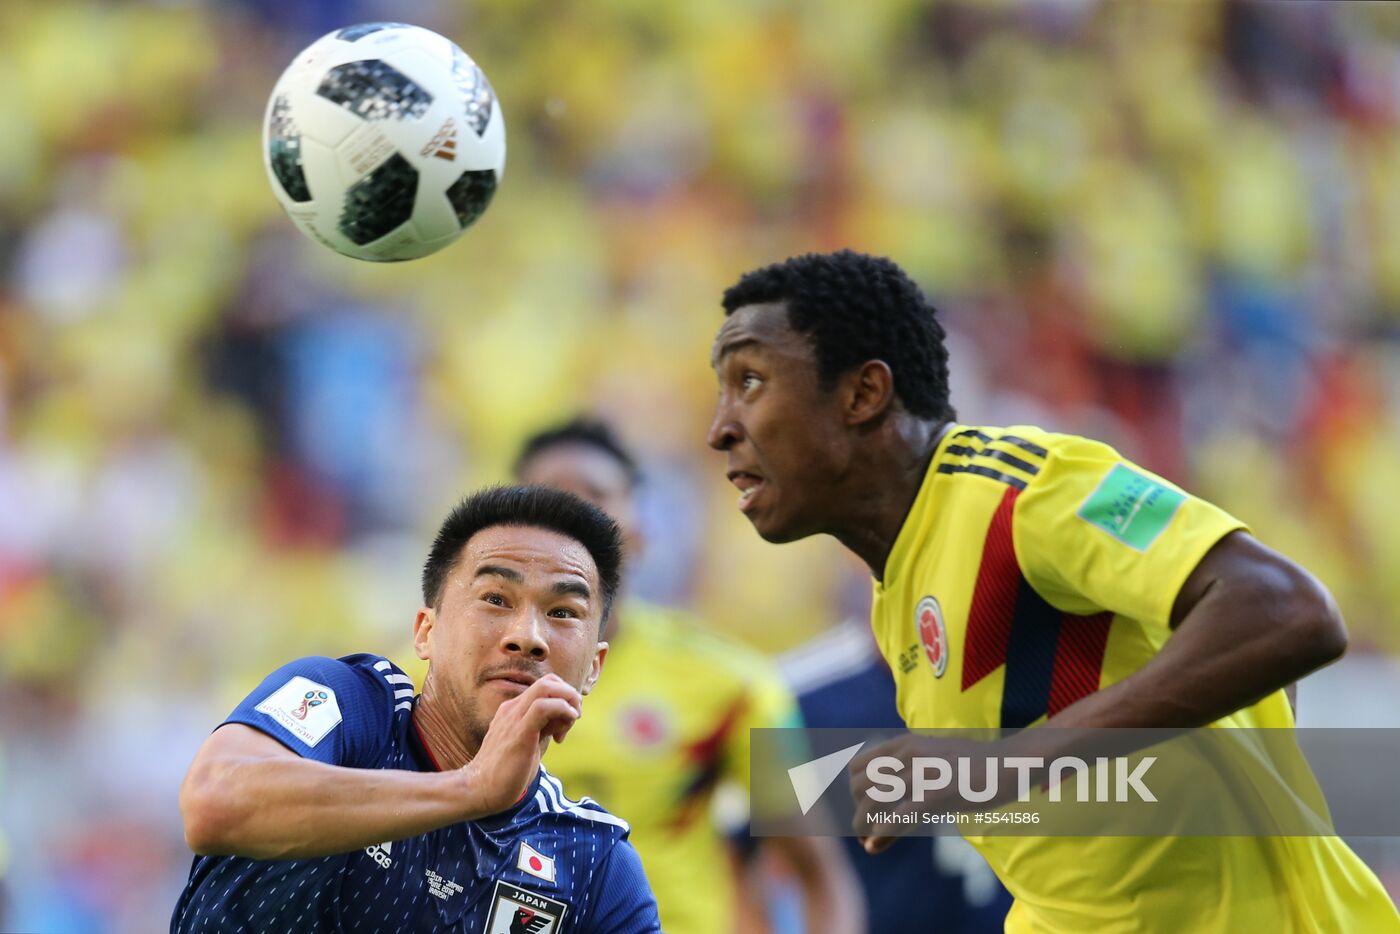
column 590, row 432
column 535, row 506
column 856, row 307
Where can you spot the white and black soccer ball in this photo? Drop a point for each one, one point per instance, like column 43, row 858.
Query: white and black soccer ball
column 384, row 141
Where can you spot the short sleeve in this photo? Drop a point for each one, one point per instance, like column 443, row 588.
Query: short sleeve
column 621, row 896
column 319, row 708
column 1095, row 532
column 767, row 703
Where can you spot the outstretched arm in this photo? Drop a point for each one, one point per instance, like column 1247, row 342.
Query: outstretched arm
column 248, row 795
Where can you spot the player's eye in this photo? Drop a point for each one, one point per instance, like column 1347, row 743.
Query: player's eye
column 564, row 612
column 750, row 381
column 494, row 599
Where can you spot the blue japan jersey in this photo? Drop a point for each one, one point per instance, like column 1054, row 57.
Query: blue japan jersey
column 549, row 865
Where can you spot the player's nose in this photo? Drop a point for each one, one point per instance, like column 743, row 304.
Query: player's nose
column 724, row 430
column 525, row 635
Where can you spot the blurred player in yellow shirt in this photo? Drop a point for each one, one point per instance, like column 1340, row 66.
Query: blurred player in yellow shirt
column 1024, row 578
column 669, row 722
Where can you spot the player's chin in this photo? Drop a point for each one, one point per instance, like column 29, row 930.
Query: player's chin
column 773, row 525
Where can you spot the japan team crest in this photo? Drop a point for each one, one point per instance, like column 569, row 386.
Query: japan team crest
column 933, row 634
column 520, row 911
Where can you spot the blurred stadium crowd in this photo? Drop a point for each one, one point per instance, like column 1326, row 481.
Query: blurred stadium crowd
column 1172, row 226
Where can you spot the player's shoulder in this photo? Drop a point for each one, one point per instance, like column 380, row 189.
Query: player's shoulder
column 387, row 678
column 1021, row 457
column 584, row 815
column 373, row 689
column 362, row 672
column 355, row 701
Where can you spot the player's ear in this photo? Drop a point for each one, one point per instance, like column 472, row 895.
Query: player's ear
column 595, row 669
column 422, row 630
column 869, row 391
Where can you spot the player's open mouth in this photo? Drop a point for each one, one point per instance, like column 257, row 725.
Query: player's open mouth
column 749, row 484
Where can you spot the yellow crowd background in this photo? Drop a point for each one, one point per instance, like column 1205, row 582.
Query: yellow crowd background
column 1174, row 226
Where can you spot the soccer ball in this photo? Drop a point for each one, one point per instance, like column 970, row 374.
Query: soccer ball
column 384, row 141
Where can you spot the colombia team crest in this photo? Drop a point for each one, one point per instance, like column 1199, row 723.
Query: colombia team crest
column 520, row 911
column 928, row 616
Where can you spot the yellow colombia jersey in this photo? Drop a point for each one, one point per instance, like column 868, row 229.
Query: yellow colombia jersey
column 1032, row 570
column 668, row 721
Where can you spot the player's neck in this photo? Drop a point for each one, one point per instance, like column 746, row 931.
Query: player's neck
column 888, row 487
column 447, row 746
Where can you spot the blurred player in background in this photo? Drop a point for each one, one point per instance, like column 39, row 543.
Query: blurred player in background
column 672, row 722
column 1025, row 578
column 332, row 794
column 842, row 682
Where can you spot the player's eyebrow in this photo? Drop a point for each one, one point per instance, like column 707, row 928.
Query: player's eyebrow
column 575, row 588
column 729, row 347
column 495, row 570
column 561, row 588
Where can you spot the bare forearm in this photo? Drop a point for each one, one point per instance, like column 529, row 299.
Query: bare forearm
column 248, row 795
column 293, row 808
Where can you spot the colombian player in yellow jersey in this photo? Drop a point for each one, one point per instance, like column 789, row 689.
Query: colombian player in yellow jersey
column 1024, row 578
column 669, row 721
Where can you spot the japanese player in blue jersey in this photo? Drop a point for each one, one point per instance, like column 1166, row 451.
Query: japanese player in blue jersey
column 332, row 799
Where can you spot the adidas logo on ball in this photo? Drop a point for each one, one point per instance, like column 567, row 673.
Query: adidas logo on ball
column 443, row 145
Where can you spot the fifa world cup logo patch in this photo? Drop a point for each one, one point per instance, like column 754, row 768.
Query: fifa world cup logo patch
column 311, row 699
column 928, row 616
column 307, row 709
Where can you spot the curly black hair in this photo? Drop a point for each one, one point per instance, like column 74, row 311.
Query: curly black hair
column 590, row 432
column 537, row 506
column 856, row 307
